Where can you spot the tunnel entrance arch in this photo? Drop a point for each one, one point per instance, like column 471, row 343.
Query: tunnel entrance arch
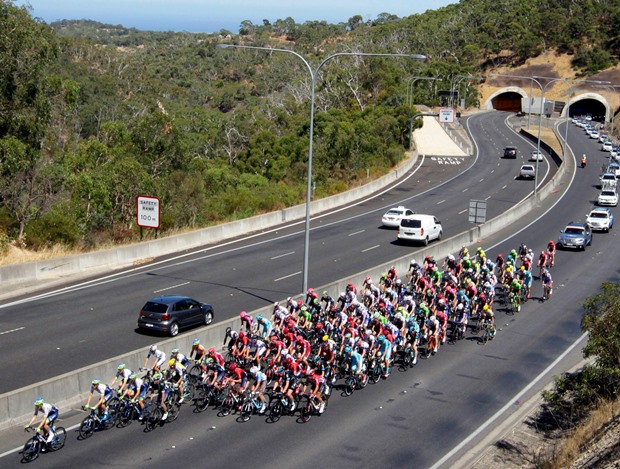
column 506, row 99
column 588, row 104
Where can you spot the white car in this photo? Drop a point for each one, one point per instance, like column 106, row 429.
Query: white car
column 536, row 156
column 594, row 134
column 600, row 219
column 603, row 137
column 420, row 228
column 527, row 171
column 608, row 198
column 606, row 146
column 393, row 216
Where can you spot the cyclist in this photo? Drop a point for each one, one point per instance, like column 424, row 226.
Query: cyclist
column 246, row 320
column 50, row 413
column 488, row 317
column 238, row 376
column 176, row 376
column 542, row 261
column 527, row 282
column 584, row 160
column 179, row 357
column 547, row 282
column 515, row 292
column 160, row 358
column 218, row 366
column 551, row 252
column 264, row 326
column 136, row 389
column 317, row 383
column 197, row 350
column 384, row 347
column 413, row 333
column 105, row 394
column 259, row 386
column 162, row 388
column 122, row 376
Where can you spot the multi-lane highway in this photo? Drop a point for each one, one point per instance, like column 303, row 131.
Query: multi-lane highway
column 414, row 418
column 87, row 323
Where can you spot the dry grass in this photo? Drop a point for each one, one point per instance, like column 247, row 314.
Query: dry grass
column 585, row 434
column 15, row 255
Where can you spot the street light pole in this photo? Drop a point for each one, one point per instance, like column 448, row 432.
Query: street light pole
column 313, row 76
column 410, row 82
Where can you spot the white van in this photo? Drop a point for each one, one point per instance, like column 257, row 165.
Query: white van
column 421, row 228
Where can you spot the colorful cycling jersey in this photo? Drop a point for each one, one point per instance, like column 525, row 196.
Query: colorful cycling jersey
column 219, row 359
column 123, row 374
column 527, row 278
column 546, row 278
column 265, row 326
column 356, row 362
column 135, row 384
column 48, row 410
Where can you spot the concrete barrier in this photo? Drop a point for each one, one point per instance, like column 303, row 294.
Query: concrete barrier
column 31, row 272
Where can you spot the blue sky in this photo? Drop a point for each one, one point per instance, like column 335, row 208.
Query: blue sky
column 214, row 15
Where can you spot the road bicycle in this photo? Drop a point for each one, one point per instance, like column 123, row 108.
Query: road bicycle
column 252, row 404
column 547, row 291
column 129, row 410
column 92, row 423
column 37, row 443
column 310, row 405
column 355, row 381
column 488, row 334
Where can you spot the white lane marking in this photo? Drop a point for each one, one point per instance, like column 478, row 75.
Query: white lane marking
column 505, row 186
column 12, row 330
column 441, row 202
column 508, row 405
column 370, row 249
column 465, row 190
column 171, row 287
column 481, row 180
column 463, row 211
column 488, row 198
column 492, row 171
column 287, row 276
column 357, row 232
column 282, row 255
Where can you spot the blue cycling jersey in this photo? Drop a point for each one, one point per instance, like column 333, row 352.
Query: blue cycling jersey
column 356, row 361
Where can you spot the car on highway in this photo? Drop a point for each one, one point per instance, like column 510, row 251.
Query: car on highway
column 607, row 145
column 609, row 198
column 510, row 152
column 527, row 171
column 575, row 236
column 420, row 228
column 608, row 181
column 393, row 216
column 600, row 219
column 613, row 168
column 594, row 134
column 603, row 137
column 536, row 156
column 171, row 313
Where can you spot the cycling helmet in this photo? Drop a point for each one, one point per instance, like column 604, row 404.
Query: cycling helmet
column 172, row 362
column 121, row 367
column 500, row 255
column 486, row 308
column 232, row 366
column 460, row 306
column 153, row 349
column 234, row 334
column 259, row 317
column 348, row 350
column 299, row 338
column 310, row 290
column 211, row 351
column 241, row 335
column 242, row 314
column 433, row 318
column 254, row 370
column 319, row 326
column 196, row 342
column 156, row 376
column 381, row 338
column 133, row 375
column 174, row 351
column 325, row 338
column 314, row 294
column 398, row 316
column 376, row 315
column 289, row 360
column 96, row 381
column 38, row 402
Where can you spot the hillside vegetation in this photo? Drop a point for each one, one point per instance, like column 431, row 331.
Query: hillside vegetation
column 93, row 115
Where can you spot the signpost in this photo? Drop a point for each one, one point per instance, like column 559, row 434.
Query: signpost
column 147, row 212
column 446, row 115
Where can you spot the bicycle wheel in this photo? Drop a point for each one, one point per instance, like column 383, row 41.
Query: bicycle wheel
column 194, row 372
column 153, row 419
column 375, row 374
column 87, row 427
column 31, row 449
column 227, row 406
column 406, row 357
column 246, row 410
column 275, row 410
column 59, row 439
column 173, row 411
column 306, row 410
column 203, row 401
column 125, row 416
column 349, row 386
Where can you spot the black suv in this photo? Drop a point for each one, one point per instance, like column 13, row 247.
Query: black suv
column 170, row 313
column 510, row 152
